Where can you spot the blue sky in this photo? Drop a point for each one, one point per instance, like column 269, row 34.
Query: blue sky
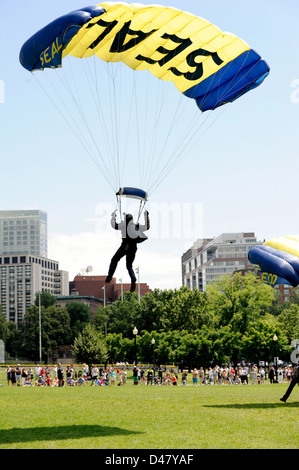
column 242, row 175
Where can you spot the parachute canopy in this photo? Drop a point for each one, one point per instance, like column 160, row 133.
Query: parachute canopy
column 278, row 260
column 204, row 63
column 134, row 193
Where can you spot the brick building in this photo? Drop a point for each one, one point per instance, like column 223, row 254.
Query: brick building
column 94, row 286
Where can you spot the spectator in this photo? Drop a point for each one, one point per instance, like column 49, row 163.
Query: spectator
column 254, row 374
column 150, row 376
column 18, row 375
column 167, row 377
column 160, row 374
column 112, row 376
column 201, row 375
column 135, row 376
column 13, row 376
column 40, row 382
column 195, row 374
column 94, row 372
column 184, row 377
column 37, row 372
column 271, row 375
column 60, row 375
column 8, row 374
column 174, row 379
column 124, row 376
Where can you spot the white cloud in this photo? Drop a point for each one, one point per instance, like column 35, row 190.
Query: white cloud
column 77, row 251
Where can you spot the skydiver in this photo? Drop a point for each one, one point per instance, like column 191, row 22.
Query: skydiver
column 294, row 381
column 132, row 234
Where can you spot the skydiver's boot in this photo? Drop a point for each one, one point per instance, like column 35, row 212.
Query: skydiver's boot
column 133, row 286
column 108, row 279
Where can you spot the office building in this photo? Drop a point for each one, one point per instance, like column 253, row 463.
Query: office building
column 210, row 258
column 23, row 231
column 22, row 276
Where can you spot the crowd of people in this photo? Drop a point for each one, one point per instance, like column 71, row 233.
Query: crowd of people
column 67, row 375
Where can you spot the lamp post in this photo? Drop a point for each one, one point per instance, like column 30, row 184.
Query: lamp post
column 154, row 361
column 121, row 289
column 138, row 281
column 275, row 358
column 104, row 291
column 40, row 327
column 135, row 333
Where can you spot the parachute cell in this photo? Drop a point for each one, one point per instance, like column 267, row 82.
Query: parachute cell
column 278, row 260
column 204, row 63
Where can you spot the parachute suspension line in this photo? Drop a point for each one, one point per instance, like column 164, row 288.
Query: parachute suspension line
column 145, row 127
column 115, row 121
column 153, row 161
column 141, row 207
column 118, row 198
column 182, row 143
column 187, row 143
column 137, row 121
column 73, row 127
column 184, row 146
column 102, row 126
column 172, row 127
column 79, row 107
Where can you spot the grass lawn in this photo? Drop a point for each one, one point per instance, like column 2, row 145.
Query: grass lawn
column 148, row 417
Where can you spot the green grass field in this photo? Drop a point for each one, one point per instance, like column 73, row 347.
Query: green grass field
column 148, row 417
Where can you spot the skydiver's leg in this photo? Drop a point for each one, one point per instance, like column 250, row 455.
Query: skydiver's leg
column 114, row 261
column 129, row 263
column 294, row 381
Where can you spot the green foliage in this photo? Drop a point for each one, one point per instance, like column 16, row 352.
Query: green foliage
column 235, row 318
column 79, row 318
column 89, row 346
column 55, row 322
column 46, row 299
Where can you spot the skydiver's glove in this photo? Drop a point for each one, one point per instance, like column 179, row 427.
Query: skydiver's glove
column 113, row 215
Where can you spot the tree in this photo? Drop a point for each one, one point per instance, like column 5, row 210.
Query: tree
column 55, row 326
column 239, row 300
column 89, row 346
column 46, row 299
column 258, row 344
column 289, row 319
column 79, row 317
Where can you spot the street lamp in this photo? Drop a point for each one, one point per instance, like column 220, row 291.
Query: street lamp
column 135, row 333
column 154, row 361
column 138, row 281
column 40, row 327
column 104, row 291
column 275, row 358
column 121, row 289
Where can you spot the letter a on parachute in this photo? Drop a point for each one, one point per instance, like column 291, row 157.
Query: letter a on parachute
column 278, row 260
column 204, row 63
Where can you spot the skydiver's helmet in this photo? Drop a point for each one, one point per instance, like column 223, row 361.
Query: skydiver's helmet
column 129, row 217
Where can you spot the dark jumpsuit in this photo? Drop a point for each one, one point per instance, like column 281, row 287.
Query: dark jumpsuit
column 132, row 234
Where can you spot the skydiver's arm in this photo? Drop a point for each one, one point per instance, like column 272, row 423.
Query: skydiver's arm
column 146, row 225
column 114, row 224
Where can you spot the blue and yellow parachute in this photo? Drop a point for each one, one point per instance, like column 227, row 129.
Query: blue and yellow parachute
column 204, row 63
column 278, row 260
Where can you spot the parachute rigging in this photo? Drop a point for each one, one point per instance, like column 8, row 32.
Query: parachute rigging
column 210, row 67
